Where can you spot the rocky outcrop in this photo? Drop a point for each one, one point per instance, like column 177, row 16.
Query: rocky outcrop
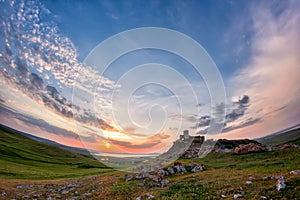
column 159, row 176
column 249, row 148
column 226, row 146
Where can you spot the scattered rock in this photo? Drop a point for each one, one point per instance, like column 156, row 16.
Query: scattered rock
column 197, row 168
column 248, row 182
column 223, row 196
column 149, row 196
column 171, row 170
column 263, row 197
column 164, row 182
column 249, row 148
column 142, row 176
column 64, row 192
column 128, row 178
column 162, row 172
column 280, row 183
column 88, row 194
column 288, row 146
column 25, row 186
column 295, row 172
column 236, row 196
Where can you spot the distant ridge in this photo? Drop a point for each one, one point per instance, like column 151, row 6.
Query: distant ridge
column 76, row 150
column 25, row 158
column 289, row 135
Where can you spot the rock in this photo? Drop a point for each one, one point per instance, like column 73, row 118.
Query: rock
column 263, row 197
column 139, row 198
column 223, row 196
column 236, row 196
column 248, row 182
column 181, row 169
column 171, row 170
column 177, row 168
column 164, row 182
column 280, row 183
column 88, row 194
column 64, row 192
column 288, row 146
column 141, row 184
column 128, row 178
column 249, row 148
column 157, row 178
column 142, row 176
column 161, row 172
column 295, row 172
column 24, row 186
column 149, row 196
column 197, row 168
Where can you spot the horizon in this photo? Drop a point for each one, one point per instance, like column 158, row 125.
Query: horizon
column 47, row 45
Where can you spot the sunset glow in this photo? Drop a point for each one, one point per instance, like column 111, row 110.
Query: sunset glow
column 47, row 89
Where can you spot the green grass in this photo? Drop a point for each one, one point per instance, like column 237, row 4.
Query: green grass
column 24, row 158
column 226, row 174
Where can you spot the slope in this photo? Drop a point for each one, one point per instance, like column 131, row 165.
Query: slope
column 24, row 158
column 292, row 136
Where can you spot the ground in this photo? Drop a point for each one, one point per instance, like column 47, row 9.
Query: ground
column 225, row 176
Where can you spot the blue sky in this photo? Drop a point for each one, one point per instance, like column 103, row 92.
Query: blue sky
column 47, row 90
column 209, row 22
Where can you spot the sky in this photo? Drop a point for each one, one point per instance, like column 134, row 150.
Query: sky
column 145, row 98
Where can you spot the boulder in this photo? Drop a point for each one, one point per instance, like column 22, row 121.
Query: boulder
column 295, row 172
column 249, row 148
column 280, row 183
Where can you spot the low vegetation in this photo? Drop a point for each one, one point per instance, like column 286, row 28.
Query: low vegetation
column 24, row 158
column 226, row 174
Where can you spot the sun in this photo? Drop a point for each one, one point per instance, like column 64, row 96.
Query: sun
column 107, row 145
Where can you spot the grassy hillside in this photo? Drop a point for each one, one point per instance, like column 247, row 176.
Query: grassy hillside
column 226, row 175
column 24, row 158
column 292, row 136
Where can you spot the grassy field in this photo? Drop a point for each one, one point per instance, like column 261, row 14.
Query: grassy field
column 226, row 174
column 24, row 158
column 32, row 164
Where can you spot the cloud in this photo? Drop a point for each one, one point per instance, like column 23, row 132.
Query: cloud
column 46, row 126
column 238, row 112
column 240, row 107
column 249, row 122
column 150, row 142
column 36, row 82
column 36, row 59
column 271, row 78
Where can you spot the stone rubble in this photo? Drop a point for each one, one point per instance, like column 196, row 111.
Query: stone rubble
column 248, row 183
column 249, row 148
column 160, row 175
column 280, row 183
column 295, row 172
column 236, row 196
column 147, row 196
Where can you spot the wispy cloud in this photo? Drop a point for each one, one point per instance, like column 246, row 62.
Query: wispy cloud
column 271, row 78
